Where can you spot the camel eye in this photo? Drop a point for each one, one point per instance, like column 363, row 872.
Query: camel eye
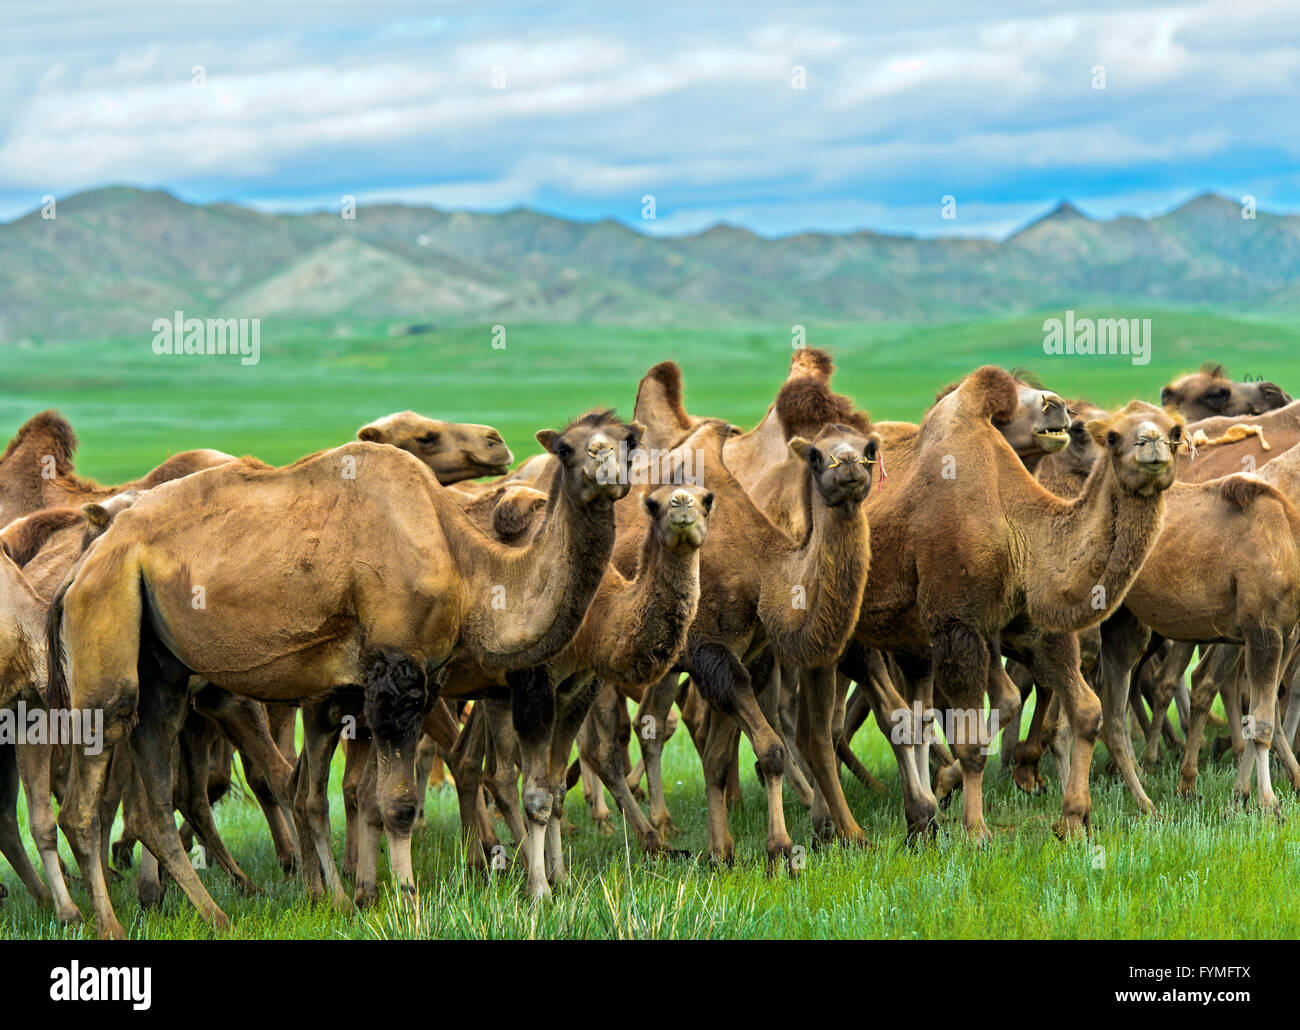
column 427, row 440
column 1112, row 438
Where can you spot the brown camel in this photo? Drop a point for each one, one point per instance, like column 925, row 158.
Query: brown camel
column 36, row 469
column 758, row 586
column 1209, row 393
column 969, row 546
column 381, row 580
column 785, row 494
column 454, row 451
column 1225, row 569
column 1278, row 432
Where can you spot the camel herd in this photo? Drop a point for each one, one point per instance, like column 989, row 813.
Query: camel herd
column 410, row 597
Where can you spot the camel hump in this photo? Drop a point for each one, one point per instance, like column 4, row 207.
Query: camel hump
column 810, row 361
column 1242, row 489
column 662, row 385
column 805, row 405
column 989, row 392
column 52, row 428
column 24, row 537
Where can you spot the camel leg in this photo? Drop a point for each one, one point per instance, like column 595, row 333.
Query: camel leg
column 1123, row 639
column 465, row 757
column 320, row 728
column 532, row 700
column 782, row 712
column 721, row 737
column 1056, row 732
column 1232, row 706
column 426, row 756
column 961, row 674
column 573, row 702
column 396, row 698
column 369, row 826
column 1170, row 674
column 599, row 739
column 1263, row 663
column 504, row 780
column 656, row 707
column 282, row 721
column 356, row 755
column 1055, row 663
column 34, row 773
column 1011, row 730
column 164, row 703
column 1204, row 689
column 197, row 735
column 11, row 842
column 815, row 735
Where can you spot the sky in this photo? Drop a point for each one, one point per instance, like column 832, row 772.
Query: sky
column 779, row 118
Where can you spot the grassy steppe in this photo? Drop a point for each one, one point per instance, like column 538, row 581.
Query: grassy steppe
column 1199, row 871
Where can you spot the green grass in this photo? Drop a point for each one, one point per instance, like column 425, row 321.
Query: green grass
column 1200, row 871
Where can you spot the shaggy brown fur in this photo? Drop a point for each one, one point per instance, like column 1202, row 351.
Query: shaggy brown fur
column 1281, row 432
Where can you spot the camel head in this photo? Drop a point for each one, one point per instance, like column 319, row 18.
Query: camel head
column 1083, row 451
column 841, row 462
column 594, row 451
column 454, row 451
column 680, row 515
column 1210, row 392
column 1141, row 442
column 1041, row 423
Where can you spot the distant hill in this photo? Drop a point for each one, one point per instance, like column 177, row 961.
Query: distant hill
column 115, row 259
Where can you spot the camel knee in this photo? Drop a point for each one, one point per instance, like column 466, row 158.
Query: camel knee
column 538, row 803
column 398, row 812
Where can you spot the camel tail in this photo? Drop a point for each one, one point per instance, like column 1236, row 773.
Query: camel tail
column 56, row 683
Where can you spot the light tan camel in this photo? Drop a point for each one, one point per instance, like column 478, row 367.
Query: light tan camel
column 454, row 451
column 381, row 580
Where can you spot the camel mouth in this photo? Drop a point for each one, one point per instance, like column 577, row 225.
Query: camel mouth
column 1052, row 439
column 1155, row 468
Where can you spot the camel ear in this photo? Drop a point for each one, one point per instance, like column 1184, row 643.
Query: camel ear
column 706, row 502
column 96, row 515
column 637, row 431
column 1098, row 428
column 1168, row 395
column 652, row 506
column 800, row 447
column 370, row 434
column 547, row 438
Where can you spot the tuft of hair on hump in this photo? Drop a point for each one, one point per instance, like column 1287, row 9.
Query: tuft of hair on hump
column 805, row 405
column 1241, row 489
column 812, row 361
column 56, row 430
column 990, row 391
column 28, row 535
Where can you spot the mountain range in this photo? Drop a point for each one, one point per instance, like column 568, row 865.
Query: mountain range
column 115, row 259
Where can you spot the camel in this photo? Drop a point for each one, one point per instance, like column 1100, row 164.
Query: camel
column 1279, row 431
column 757, row 586
column 454, row 451
column 36, row 469
column 785, row 494
column 1209, row 393
column 1225, row 569
column 357, row 575
column 969, row 546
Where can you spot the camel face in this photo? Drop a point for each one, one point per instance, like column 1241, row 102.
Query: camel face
column 594, row 452
column 454, row 451
column 1041, row 423
column 1208, row 393
column 1082, row 452
column 680, row 515
column 841, row 462
column 1141, row 441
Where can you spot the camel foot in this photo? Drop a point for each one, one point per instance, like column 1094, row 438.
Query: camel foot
column 604, row 827
column 725, row 857
column 111, row 930
column 979, row 834
column 150, row 895
column 667, row 829
column 1025, row 775
column 123, row 854
column 365, row 896
column 247, row 887
column 220, row 921
column 1069, row 827
column 779, row 853
column 69, row 915
column 677, row 854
